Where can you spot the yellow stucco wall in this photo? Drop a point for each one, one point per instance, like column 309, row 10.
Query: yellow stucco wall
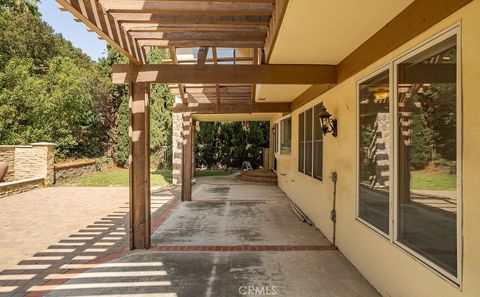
column 390, row 269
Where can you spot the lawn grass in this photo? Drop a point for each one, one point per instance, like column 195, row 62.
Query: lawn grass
column 212, row 172
column 425, row 180
column 115, row 178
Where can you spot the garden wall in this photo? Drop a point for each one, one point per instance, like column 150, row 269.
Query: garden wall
column 29, row 166
column 73, row 169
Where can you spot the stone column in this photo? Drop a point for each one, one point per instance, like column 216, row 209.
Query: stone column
column 46, row 152
column 177, row 149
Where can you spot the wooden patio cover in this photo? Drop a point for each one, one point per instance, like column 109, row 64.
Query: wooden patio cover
column 133, row 27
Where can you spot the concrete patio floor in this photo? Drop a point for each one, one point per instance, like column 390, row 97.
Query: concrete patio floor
column 234, row 239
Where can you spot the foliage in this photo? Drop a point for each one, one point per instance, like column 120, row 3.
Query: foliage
column 52, row 91
column 20, row 6
column 49, row 90
column 119, row 106
column 161, row 106
column 160, row 112
column 228, row 144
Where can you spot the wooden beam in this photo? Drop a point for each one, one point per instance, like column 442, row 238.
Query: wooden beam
column 241, row 74
column 199, row 43
column 417, row 17
column 225, row 108
column 187, row 156
column 139, row 165
column 189, row 7
column 146, row 27
column 254, row 86
column 213, row 36
column 310, row 94
column 274, row 28
column 190, row 19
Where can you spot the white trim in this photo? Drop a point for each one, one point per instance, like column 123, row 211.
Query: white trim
column 383, row 68
column 278, row 135
column 438, row 38
column 312, row 174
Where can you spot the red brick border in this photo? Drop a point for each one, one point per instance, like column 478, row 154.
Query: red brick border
column 165, row 214
column 243, row 248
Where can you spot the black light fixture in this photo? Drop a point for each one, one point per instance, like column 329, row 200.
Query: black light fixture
column 328, row 125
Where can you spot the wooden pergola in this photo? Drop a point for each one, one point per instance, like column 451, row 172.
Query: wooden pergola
column 208, row 83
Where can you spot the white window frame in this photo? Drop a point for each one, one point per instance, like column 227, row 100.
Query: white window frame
column 454, row 30
column 313, row 144
column 278, row 133
column 388, row 67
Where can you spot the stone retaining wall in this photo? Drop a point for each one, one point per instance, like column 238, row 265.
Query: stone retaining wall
column 17, row 187
column 29, row 161
column 63, row 171
column 29, row 166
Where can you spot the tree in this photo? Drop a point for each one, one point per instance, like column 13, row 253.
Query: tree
column 49, row 90
column 228, row 144
column 20, row 6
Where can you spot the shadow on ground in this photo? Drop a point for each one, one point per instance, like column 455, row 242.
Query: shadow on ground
column 79, row 252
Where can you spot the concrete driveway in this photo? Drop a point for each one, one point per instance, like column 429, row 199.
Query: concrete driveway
column 235, row 239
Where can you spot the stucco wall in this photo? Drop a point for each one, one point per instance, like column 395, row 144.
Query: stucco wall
column 390, row 269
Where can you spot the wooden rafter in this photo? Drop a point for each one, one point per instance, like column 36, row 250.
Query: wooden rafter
column 139, row 27
column 222, row 59
column 189, row 7
column 89, row 13
column 274, row 28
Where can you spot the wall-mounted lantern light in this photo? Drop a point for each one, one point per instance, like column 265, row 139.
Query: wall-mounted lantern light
column 328, row 125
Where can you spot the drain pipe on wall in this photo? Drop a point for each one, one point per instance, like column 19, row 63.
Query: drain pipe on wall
column 333, row 213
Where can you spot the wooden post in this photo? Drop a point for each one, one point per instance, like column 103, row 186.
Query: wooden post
column 187, row 155
column 139, row 165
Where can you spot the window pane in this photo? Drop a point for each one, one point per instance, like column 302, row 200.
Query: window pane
column 374, row 152
column 286, row 133
column 427, row 141
column 308, row 142
column 317, row 144
column 301, row 142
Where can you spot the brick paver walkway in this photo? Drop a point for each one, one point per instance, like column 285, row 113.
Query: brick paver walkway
column 53, row 230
